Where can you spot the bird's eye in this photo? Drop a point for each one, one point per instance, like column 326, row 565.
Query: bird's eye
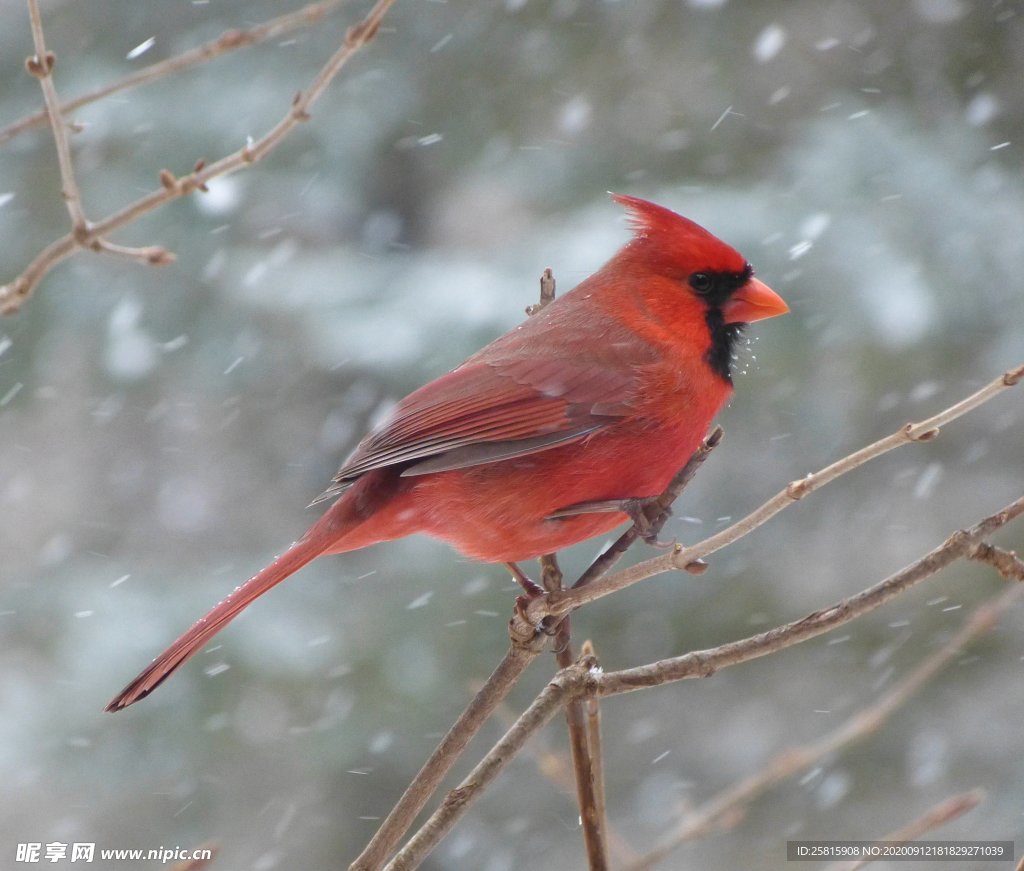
column 700, row 282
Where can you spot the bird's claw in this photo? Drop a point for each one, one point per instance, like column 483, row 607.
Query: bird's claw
column 530, row 587
column 549, row 625
column 636, row 509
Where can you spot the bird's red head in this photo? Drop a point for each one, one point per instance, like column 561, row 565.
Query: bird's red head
column 679, row 249
column 677, row 243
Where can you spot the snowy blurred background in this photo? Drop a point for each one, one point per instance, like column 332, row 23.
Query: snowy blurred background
column 162, row 430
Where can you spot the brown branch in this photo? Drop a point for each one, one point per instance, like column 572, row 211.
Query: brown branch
column 726, row 807
column 558, row 604
column 1006, row 562
column 944, row 812
column 228, row 41
column 593, row 711
column 14, row 294
column 700, row 663
column 563, row 686
column 416, row 795
column 584, row 763
column 554, row 768
column 154, row 255
column 41, row 66
column 581, row 680
column 703, row 663
column 547, row 292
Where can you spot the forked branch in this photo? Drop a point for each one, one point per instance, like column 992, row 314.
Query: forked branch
column 228, row 41
column 582, row 680
column 91, row 235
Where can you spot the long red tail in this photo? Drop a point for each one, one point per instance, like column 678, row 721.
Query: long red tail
column 342, row 528
column 303, row 551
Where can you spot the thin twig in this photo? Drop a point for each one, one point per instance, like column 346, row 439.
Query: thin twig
column 416, row 795
column 727, row 805
column 547, row 292
column 584, row 764
column 155, row 255
column 228, row 41
column 561, row 688
column 593, row 711
column 582, row 681
column 703, row 663
column 592, row 820
column 558, row 604
column 14, row 294
column 941, row 814
column 41, row 66
column 554, row 767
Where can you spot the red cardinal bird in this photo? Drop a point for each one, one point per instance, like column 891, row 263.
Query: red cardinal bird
column 547, row 435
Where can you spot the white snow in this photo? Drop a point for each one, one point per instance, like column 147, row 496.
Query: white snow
column 222, row 197
column 769, row 43
column 141, row 48
column 130, row 353
column 982, row 109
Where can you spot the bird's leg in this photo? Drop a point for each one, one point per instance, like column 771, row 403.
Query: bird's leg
column 634, row 508
column 531, row 588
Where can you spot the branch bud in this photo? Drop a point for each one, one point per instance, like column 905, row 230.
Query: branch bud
column 41, row 68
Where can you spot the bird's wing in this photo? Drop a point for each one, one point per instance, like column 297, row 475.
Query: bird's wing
column 486, row 411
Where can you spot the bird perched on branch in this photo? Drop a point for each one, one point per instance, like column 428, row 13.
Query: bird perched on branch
column 551, row 434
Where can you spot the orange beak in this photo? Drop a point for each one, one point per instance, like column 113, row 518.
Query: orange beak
column 755, row 301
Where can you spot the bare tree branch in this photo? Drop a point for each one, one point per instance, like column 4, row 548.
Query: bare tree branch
column 416, row 795
column 228, row 41
column 554, row 767
column 557, row 604
column 14, row 294
column 583, row 680
column 726, row 807
column 584, row 763
column 41, row 66
column 593, row 711
column 703, row 663
column 563, row 686
column 944, row 812
column 547, row 292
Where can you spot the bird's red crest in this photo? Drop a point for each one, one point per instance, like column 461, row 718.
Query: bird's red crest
column 676, row 241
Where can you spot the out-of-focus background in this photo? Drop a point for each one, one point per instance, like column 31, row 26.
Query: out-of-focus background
column 162, row 430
